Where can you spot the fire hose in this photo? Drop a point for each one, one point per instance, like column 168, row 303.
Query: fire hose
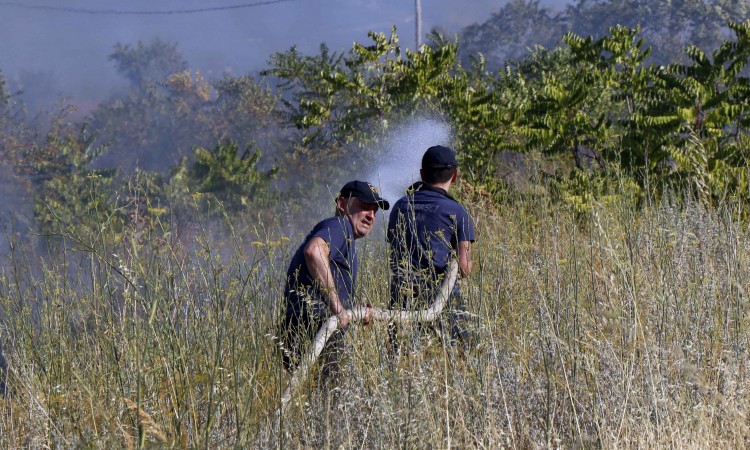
column 357, row 314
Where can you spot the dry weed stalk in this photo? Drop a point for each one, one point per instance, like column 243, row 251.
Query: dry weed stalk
column 149, row 425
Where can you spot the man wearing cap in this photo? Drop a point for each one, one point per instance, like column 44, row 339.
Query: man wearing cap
column 321, row 277
column 426, row 229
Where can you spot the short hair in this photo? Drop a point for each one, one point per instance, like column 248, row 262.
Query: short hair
column 437, row 175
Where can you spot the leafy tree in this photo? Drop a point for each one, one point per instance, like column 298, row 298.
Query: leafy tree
column 145, row 63
column 667, row 26
column 510, row 33
column 343, row 104
column 231, row 176
column 155, row 126
column 337, row 101
column 152, row 128
column 66, row 191
column 616, row 64
column 710, row 115
column 559, row 111
column 679, row 122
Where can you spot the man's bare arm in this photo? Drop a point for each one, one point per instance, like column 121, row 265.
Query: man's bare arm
column 317, row 258
column 465, row 263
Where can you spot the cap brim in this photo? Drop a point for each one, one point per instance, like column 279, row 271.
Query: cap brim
column 443, row 166
column 382, row 203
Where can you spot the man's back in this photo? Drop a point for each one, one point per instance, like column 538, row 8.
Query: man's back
column 428, row 228
column 425, row 228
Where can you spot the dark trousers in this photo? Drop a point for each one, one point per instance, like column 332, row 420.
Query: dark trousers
column 297, row 333
column 451, row 324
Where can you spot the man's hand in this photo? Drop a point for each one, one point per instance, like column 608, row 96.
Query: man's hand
column 367, row 319
column 343, row 318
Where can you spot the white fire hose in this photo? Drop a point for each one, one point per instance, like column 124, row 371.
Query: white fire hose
column 357, row 315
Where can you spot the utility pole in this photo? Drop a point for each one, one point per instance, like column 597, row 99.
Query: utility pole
column 418, row 5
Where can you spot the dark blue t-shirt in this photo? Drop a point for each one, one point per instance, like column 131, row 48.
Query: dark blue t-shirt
column 424, row 230
column 301, row 291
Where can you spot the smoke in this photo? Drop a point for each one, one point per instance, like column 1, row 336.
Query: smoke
column 73, row 46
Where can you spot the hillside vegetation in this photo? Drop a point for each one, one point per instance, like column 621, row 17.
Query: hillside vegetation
column 145, row 247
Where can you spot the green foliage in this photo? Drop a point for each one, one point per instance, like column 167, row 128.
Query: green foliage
column 65, row 189
column 616, row 62
column 345, row 98
column 339, row 100
column 228, row 175
column 596, row 97
column 343, row 104
column 560, row 108
column 702, row 113
column 674, row 124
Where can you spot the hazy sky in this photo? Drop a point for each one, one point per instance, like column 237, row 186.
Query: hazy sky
column 71, row 48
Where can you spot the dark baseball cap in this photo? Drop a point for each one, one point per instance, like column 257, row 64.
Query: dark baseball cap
column 365, row 192
column 439, row 157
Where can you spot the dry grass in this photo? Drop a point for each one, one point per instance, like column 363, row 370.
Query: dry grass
column 620, row 329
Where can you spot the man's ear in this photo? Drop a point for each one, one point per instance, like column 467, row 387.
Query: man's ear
column 341, row 205
column 455, row 176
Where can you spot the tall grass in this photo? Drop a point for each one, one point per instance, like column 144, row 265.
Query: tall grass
column 620, row 328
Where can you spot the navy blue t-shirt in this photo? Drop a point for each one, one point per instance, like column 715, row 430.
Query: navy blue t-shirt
column 300, row 287
column 424, row 230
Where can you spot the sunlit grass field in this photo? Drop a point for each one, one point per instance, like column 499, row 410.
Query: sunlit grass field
column 615, row 328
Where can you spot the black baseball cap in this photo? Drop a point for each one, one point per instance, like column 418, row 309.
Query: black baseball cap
column 439, row 157
column 365, row 192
